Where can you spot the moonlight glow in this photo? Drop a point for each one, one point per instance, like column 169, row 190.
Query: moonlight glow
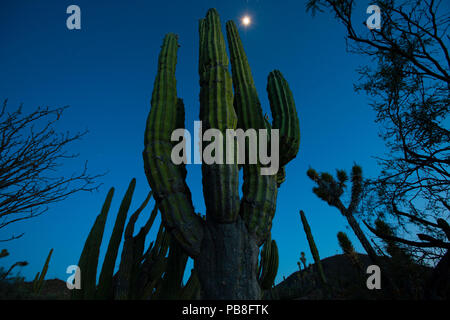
column 246, row 21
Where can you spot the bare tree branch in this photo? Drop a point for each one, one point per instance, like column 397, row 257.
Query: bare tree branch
column 32, row 154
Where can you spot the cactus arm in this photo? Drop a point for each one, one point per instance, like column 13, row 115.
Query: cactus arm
column 154, row 264
column 345, row 243
column 139, row 245
column 273, row 269
column 356, row 188
column 246, row 101
column 161, row 243
column 133, row 248
column 45, row 269
column 396, row 252
column 166, row 179
column 104, row 290
column 259, row 202
column 220, row 181
column 172, row 282
column 284, row 115
column 146, row 228
column 312, row 246
column 281, row 176
column 39, row 279
column 129, row 230
column 35, row 282
column 349, row 251
column 269, row 264
column 89, row 256
column 151, row 265
column 259, row 191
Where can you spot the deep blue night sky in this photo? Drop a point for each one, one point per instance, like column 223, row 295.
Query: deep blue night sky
column 105, row 72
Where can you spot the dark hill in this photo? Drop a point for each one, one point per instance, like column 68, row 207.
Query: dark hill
column 346, row 280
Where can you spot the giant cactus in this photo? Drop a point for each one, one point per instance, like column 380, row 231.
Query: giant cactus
column 225, row 245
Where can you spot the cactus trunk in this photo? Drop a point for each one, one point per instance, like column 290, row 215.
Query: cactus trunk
column 227, row 267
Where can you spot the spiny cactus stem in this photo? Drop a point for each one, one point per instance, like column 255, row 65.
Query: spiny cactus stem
column 312, row 246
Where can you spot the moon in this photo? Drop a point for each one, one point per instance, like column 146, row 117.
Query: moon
column 246, row 20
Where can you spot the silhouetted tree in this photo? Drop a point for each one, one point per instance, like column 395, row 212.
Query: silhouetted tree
column 409, row 82
column 31, row 153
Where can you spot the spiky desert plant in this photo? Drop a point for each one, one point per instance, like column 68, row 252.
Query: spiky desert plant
column 348, row 249
column 303, row 259
column 40, row 276
column 105, row 282
column 330, row 190
column 313, row 248
column 396, row 251
column 133, row 249
column 140, row 274
column 173, row 275
column 89, row 256
column 408, row 275
column 224, row 246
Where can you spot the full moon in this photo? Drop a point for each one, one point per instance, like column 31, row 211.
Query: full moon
column 246, row 20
